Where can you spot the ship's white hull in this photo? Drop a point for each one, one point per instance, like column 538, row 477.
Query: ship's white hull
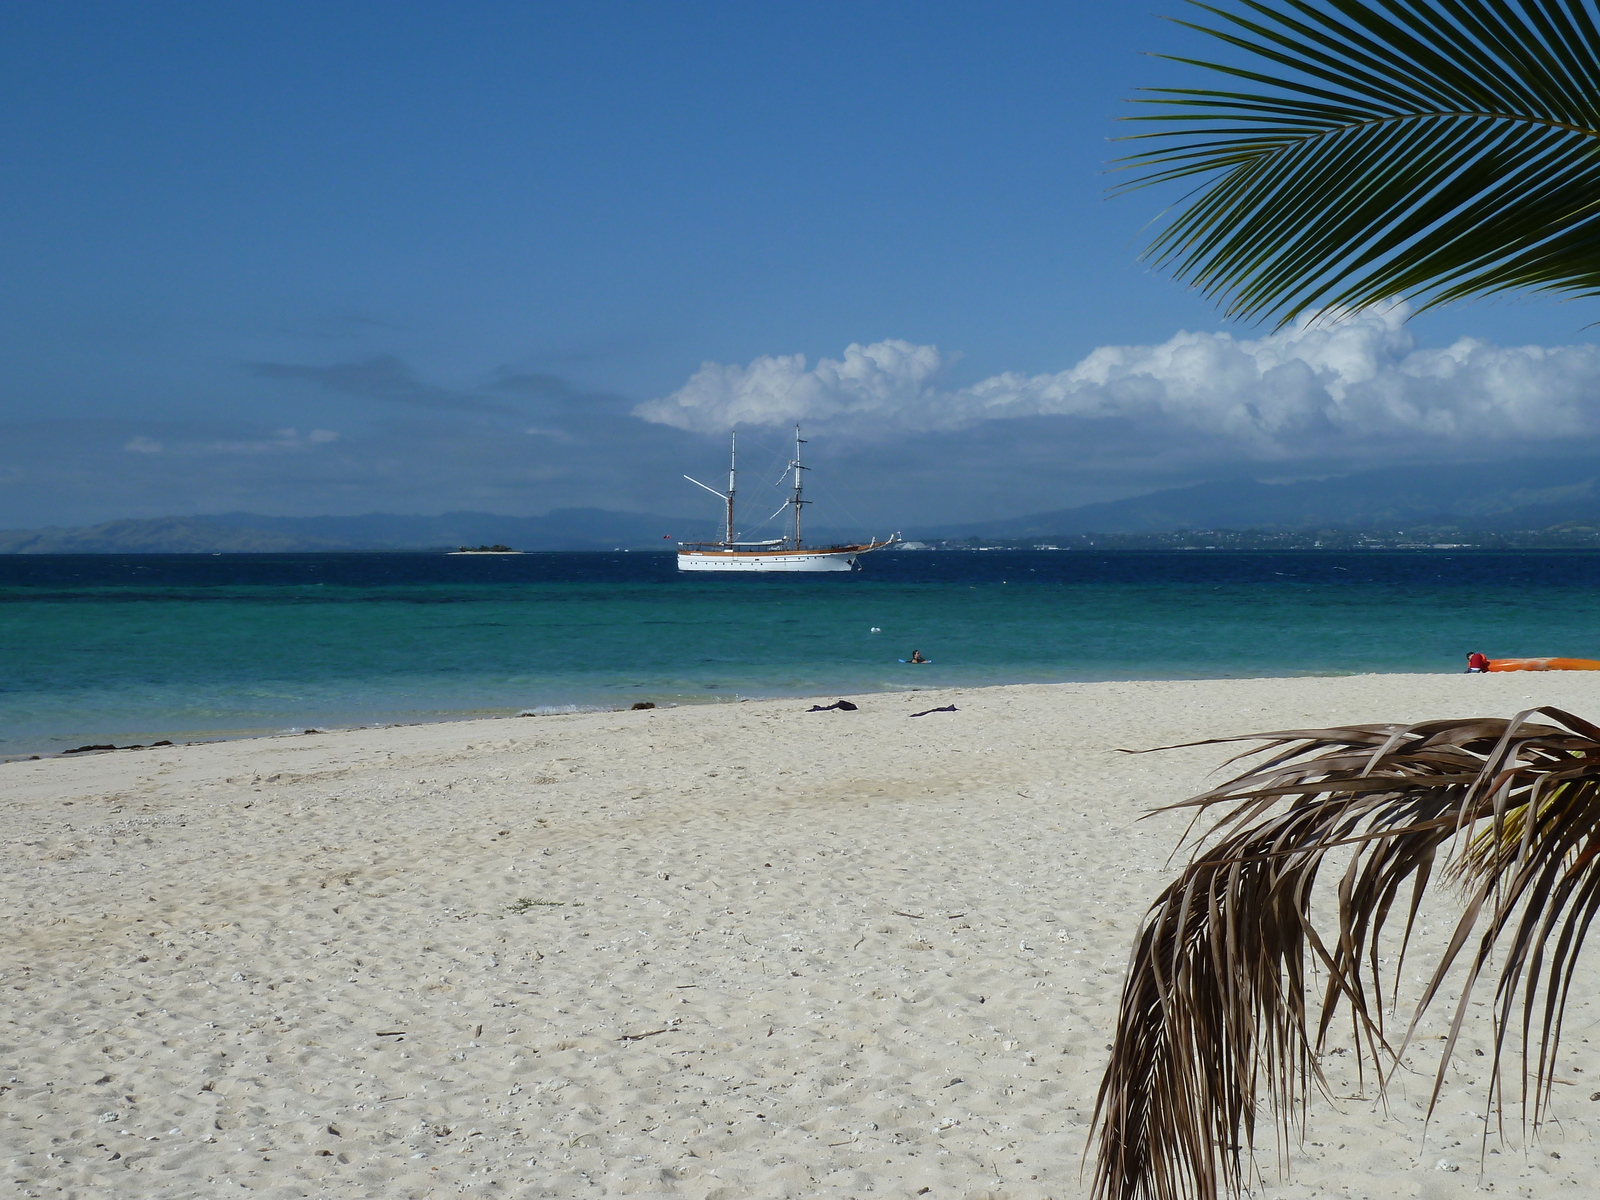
column 738, row 561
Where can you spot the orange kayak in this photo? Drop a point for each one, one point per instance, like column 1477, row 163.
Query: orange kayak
column 1544, row 664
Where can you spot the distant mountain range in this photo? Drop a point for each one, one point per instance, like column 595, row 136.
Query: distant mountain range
column 251, row 533
column 1479, row 496
column 1534, row 495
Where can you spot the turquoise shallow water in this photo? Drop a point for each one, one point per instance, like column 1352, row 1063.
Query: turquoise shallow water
column 135, row 648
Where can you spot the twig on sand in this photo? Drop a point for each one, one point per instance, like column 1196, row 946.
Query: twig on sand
column 634, row 1037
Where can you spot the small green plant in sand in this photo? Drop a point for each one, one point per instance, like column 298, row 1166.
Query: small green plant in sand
column 523, row 904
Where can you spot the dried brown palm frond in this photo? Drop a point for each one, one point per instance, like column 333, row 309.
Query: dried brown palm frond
column 1216, row 1009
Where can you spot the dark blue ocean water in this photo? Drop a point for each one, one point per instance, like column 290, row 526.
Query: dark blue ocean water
column 133, row 648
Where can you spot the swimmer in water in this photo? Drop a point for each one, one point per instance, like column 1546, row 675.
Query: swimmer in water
column 916, row 657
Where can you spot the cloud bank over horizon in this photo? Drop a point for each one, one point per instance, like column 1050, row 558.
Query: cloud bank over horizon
column 901, row 431
column 1358, row 387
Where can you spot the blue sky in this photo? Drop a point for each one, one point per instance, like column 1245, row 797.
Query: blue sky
column 416, row 257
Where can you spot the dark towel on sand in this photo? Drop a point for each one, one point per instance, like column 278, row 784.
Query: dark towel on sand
column 946, row 708
column 842, row 705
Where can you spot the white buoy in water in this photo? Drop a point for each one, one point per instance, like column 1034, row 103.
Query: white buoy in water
column 875, row 629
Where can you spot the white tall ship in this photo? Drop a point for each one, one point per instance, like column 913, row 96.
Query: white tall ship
column 787, row 553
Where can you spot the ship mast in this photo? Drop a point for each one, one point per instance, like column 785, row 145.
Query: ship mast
column 796, row 501
column 733, row 462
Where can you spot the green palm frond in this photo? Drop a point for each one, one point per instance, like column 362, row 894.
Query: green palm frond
column 1366, row 150
column 1218, row 1008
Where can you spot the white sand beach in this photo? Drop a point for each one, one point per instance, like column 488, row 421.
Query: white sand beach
column 714, row 952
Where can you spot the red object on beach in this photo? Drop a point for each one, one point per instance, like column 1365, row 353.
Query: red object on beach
column 1544, row 664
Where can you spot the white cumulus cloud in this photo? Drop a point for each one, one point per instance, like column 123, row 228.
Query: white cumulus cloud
column 884, row 381
column 1315, row 390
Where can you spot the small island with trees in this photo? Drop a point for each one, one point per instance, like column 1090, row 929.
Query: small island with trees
column 497, row 548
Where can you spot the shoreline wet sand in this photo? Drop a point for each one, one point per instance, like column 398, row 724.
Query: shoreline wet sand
column 710, row 951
